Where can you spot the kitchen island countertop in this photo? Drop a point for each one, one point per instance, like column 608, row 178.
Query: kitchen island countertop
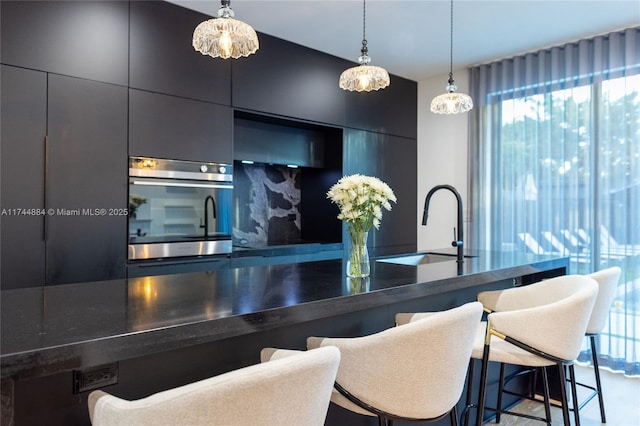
column 59, row 328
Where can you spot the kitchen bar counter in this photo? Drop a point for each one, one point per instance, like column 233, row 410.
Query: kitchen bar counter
column 56, row 328
column 168, row 330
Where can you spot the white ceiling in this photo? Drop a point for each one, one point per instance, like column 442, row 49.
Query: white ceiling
column 410, row 38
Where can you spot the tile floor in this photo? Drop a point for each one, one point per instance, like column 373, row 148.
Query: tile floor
column 622, row 402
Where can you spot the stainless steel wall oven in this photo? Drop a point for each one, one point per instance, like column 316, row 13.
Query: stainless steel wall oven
column 179, row 208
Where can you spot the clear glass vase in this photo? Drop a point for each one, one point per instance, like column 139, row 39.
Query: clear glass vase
column 358, row 261
column 357, row 285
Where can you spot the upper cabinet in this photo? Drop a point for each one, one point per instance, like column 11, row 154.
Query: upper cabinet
column 177, row 128
column 392, row 111
column 87, row 39
column 163, row 59
column 290, row 80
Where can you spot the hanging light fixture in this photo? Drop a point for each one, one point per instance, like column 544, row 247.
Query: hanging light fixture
column 364, row 77
column 224, row 36
column 451, row 102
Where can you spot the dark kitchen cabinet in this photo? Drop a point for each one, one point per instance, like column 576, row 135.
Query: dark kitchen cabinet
column 88, row 39
column 392, row 110
column 287, row 79
column 87, row 180
column 290, row 80
column 393, row 160
column 23, row 130
column 53, row 228
column 163, row 60
column 177, row 128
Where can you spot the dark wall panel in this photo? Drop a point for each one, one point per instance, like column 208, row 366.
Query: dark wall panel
column 163, row 59
column 24, row 118
column 287, row 79
column 391, row 111
column 178, row 128
column 88, row 39
column 87, row 171
column 393, row 160
column 290, row 80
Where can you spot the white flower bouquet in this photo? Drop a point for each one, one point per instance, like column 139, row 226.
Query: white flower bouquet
column 361, row 200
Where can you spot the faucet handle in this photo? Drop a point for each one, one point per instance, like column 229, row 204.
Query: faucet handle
column 456, row 242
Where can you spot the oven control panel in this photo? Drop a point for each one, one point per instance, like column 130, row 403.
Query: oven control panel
column 179, row 169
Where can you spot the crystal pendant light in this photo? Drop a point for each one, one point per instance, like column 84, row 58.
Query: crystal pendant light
column 364, row 77
column 224, row 36
column 451, row 102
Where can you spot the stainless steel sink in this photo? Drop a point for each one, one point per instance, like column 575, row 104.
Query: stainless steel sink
column 415, row 259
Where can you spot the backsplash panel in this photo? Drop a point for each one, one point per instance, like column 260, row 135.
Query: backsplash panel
column 266, row 205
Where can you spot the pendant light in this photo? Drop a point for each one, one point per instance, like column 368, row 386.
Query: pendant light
column 224, row 36
column 364, row 77
column 451, row 102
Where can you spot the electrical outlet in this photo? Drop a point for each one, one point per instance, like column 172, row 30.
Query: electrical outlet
column 95, row 377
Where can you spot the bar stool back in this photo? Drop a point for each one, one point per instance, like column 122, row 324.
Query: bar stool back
column 607, row 280
column 411, row 373
column 293, row 390
column 537, row 325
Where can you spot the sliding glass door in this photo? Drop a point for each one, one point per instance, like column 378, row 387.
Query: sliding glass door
column 556, row 170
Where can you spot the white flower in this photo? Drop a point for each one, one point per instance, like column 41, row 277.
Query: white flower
column 361, row 200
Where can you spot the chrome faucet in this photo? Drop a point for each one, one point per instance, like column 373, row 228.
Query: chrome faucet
column 458, row 240
column 206, row 214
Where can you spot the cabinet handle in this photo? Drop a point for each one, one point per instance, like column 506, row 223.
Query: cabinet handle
column 45, row 228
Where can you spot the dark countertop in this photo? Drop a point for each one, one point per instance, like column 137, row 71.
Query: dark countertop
column 58, row 328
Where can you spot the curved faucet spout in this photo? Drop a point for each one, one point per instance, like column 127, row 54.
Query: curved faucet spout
column 458, row 240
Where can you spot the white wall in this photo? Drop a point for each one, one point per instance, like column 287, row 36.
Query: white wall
column 442, row 159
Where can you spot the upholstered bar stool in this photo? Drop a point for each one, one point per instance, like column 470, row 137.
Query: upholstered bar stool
column 538, row 325
column 607, row 280
column 411, row 373
column 291, row 390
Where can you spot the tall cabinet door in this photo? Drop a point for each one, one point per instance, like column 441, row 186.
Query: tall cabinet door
column 23, row 130
column 392, row 159
column 87, row 180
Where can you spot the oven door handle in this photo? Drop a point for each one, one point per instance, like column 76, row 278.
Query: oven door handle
column 155, row 182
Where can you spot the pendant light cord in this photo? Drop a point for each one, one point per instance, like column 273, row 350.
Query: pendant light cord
column 364, row 50
column 364, row 18
column 451, row 51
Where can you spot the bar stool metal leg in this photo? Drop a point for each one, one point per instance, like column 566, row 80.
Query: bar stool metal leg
column 594, row 358
column 564, row 400
column 574, row 394
column 547, row 398
column 500, row 391
column 464, row 419
column 483, row 385
column 454, row 416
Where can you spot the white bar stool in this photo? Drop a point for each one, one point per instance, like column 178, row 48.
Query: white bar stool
column 537, row 325
column 410, row 373
column 290, row 390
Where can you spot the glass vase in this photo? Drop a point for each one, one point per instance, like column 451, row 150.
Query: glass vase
column 358, row 260
column 357, row 285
